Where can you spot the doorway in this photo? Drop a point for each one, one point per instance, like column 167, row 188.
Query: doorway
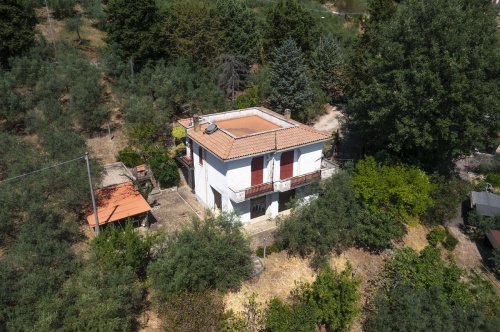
column 258, row 207
column 217, row 199
column 284, row 199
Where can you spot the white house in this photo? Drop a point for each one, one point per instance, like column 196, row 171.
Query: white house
column 252, row 161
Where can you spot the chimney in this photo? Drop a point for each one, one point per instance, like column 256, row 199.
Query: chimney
column 196, row 122
column 288, row 113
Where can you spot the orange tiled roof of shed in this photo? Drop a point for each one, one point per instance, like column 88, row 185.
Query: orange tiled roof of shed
column 118, row 202
column 230, row 143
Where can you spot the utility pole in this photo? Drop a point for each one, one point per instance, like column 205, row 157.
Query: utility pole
column 92, row 194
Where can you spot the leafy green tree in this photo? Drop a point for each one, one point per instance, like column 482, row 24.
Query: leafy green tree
column 329, row 67
column 194, row 31
column 213, row 254
column 481, row 225
column 164, row 169
column 13, row 107
column 401, row 191
column 376, row 230
column 62, row 8
column 133, row 30
column 116, row 247
column 421, row 292
column 289, row 80
column 288, row 19
column 423, row 87
column 241, row 33
column 281, row 317
column 334, row 298
column 173, row 89
column 322, row 226
column 330, row 302
column 448, row 194
column 74, row 24
column 17, row 30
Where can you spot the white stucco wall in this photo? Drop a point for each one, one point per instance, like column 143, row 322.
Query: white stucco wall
column 236, row 174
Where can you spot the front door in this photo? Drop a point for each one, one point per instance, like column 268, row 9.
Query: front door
column 257, row 171
column 217, row 199
column 284, row 199
column 286, row 165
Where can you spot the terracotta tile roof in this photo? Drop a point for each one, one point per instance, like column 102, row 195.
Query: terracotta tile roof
column 228, row 147
column 118, row 202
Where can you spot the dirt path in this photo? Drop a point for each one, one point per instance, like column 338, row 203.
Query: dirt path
column 329, row 121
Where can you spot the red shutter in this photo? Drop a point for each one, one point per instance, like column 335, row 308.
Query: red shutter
column 191, row 150
column 257, row 171
column 200, row 155
column 286, row 165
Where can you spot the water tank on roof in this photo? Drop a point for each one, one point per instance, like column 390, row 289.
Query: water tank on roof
column 211, row 129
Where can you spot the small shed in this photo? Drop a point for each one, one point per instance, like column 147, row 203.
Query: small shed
column 486, row 203
column 118, row 202
column 494, row 237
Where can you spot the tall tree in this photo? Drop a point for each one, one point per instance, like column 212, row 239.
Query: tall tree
column 232, row 73
column 17, row 29
column 193, row 30
column 425, row 80
column 329, row 66
column 289, row 19
column 133, row 30
column 241, row 32
column 289, row 80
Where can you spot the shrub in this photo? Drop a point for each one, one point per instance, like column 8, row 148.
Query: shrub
column 436, row 235
column 493, row 179
column 450, row 243
column 213, row 254
column 448, row 193
column 269, row 250
column 164, row 169
column 178, row 132
column 129, row 157
column 193, row 311
column 376, row 230
column 401, row 191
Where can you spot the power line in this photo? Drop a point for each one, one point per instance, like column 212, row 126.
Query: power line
column 40, row 170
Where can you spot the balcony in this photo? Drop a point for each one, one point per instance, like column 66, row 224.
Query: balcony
column 239, row 196
column 296, row 181
column 185, row 161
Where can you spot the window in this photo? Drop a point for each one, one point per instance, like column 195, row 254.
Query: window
column 200, row 155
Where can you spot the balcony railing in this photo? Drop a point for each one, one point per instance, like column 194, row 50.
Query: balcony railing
column 293, row 182
column 185, row 160
column 258, row 189
column 239, row 196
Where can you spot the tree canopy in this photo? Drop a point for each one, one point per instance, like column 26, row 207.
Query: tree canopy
column 289, row 80
column 17, row 29
column 213, row 254
column 423, row 80
column 421, row 292
column 288, row 19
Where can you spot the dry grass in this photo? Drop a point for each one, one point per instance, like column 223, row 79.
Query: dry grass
column 105, row 147
column 415, row 237
column 277, row 280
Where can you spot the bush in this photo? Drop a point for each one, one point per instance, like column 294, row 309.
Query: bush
column 211, row 254
column 178, row 132
column 376, row 231
column 401, row 191
column 129, row 157
column 448, row 193
column 436, row 235
column 493, row 179
column 329, row 302
column 164, row 169
column 193, row 311
column 450, row 243
column 269, row 250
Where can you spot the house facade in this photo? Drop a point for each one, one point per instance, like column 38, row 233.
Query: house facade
column 252, row 161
